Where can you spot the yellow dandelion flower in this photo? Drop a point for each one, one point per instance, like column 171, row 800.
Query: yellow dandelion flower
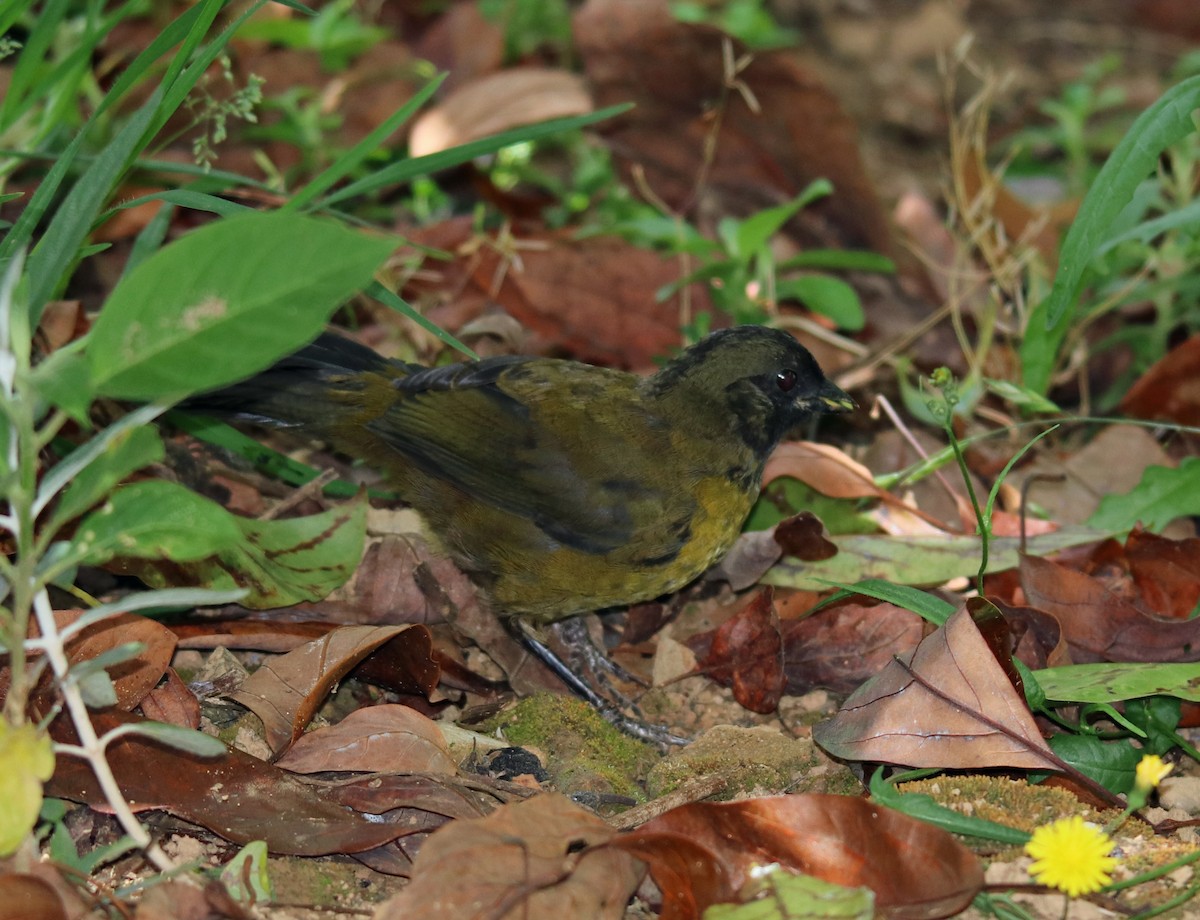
column 1150, row 772
column 1071, row 856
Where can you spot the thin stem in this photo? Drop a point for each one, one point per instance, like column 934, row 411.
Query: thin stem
column 91, row 747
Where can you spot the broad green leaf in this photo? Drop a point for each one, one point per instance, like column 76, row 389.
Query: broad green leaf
column 831, row 297
column 155, row 520
column 1163, row 495
column 63, row 381
column 916, row 559
column 26, row 761
column 1110, row 763
column 279, row 563
column 1167, row 121
column 755, row 231
column 1112, row 682
column 130, row 450
column 224, row 302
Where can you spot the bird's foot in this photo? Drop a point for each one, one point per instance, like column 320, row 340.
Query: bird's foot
column 575, row 635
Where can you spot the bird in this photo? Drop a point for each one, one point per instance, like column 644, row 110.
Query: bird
column 559, row 487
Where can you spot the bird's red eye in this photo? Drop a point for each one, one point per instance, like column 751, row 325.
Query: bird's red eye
column 786, row 380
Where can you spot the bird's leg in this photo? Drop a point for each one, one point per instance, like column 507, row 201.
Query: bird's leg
column 582, row 650
column 655, row 734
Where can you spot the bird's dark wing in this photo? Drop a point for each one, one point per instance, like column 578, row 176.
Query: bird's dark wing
column 565, row 447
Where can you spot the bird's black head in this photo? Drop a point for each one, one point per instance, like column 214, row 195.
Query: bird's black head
column 760, row 380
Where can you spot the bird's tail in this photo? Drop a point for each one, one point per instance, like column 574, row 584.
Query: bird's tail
column 311, row 389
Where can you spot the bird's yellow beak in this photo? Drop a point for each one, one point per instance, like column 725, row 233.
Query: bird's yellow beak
column 833, row 398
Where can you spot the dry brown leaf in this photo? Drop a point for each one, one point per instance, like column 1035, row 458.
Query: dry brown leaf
column 132, row 679
column 779, row 129
column 540, row 858
column 841, row 646
column 236, row 796
column 976, row 718
column 498, row 102
column 1166, row 572
column 26, row 897
column 746, row 653
column 172, row 702
column 1100, row 625
column 377, row 739
column 285, row 692
column 1170, row 389
column 826, row 468
column 704, row 853
column 592, row 299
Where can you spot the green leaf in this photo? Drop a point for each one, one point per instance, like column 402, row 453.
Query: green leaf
column 915, row 559
column 246, row 876
column 1167, row 121
column 1158, row 717
column 97, row 689
column 755, row 231
column 831, row 297
column 1110, row 763
column 783, row 894
column 1163, row 495
column 155, row 520
column 127, row 452
column 63, row 381
column 926, row 808
column 1112, row 682
column 839, row 260
column 352, row 158
column 180, row 738
column 279, row 563
column 224, row 302
column 1019, row 396
column 928, row 606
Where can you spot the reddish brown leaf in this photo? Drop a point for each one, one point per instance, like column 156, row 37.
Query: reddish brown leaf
column 841, row 646
column 1170, row 389
column 636, row 51
column 285, row 692
column 400, row 580
column 377, row 739
column 1098, row 624
column 825, row 468
column 132, row 679
column 915, row 870
column 172, row 703
column 594, row 299
column 1166, row 572
column 801, row 536
column 26, row 897
column 270, row 635
column 540, row 858
column 972, row 717
column 747, row 654
column 235, row 795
